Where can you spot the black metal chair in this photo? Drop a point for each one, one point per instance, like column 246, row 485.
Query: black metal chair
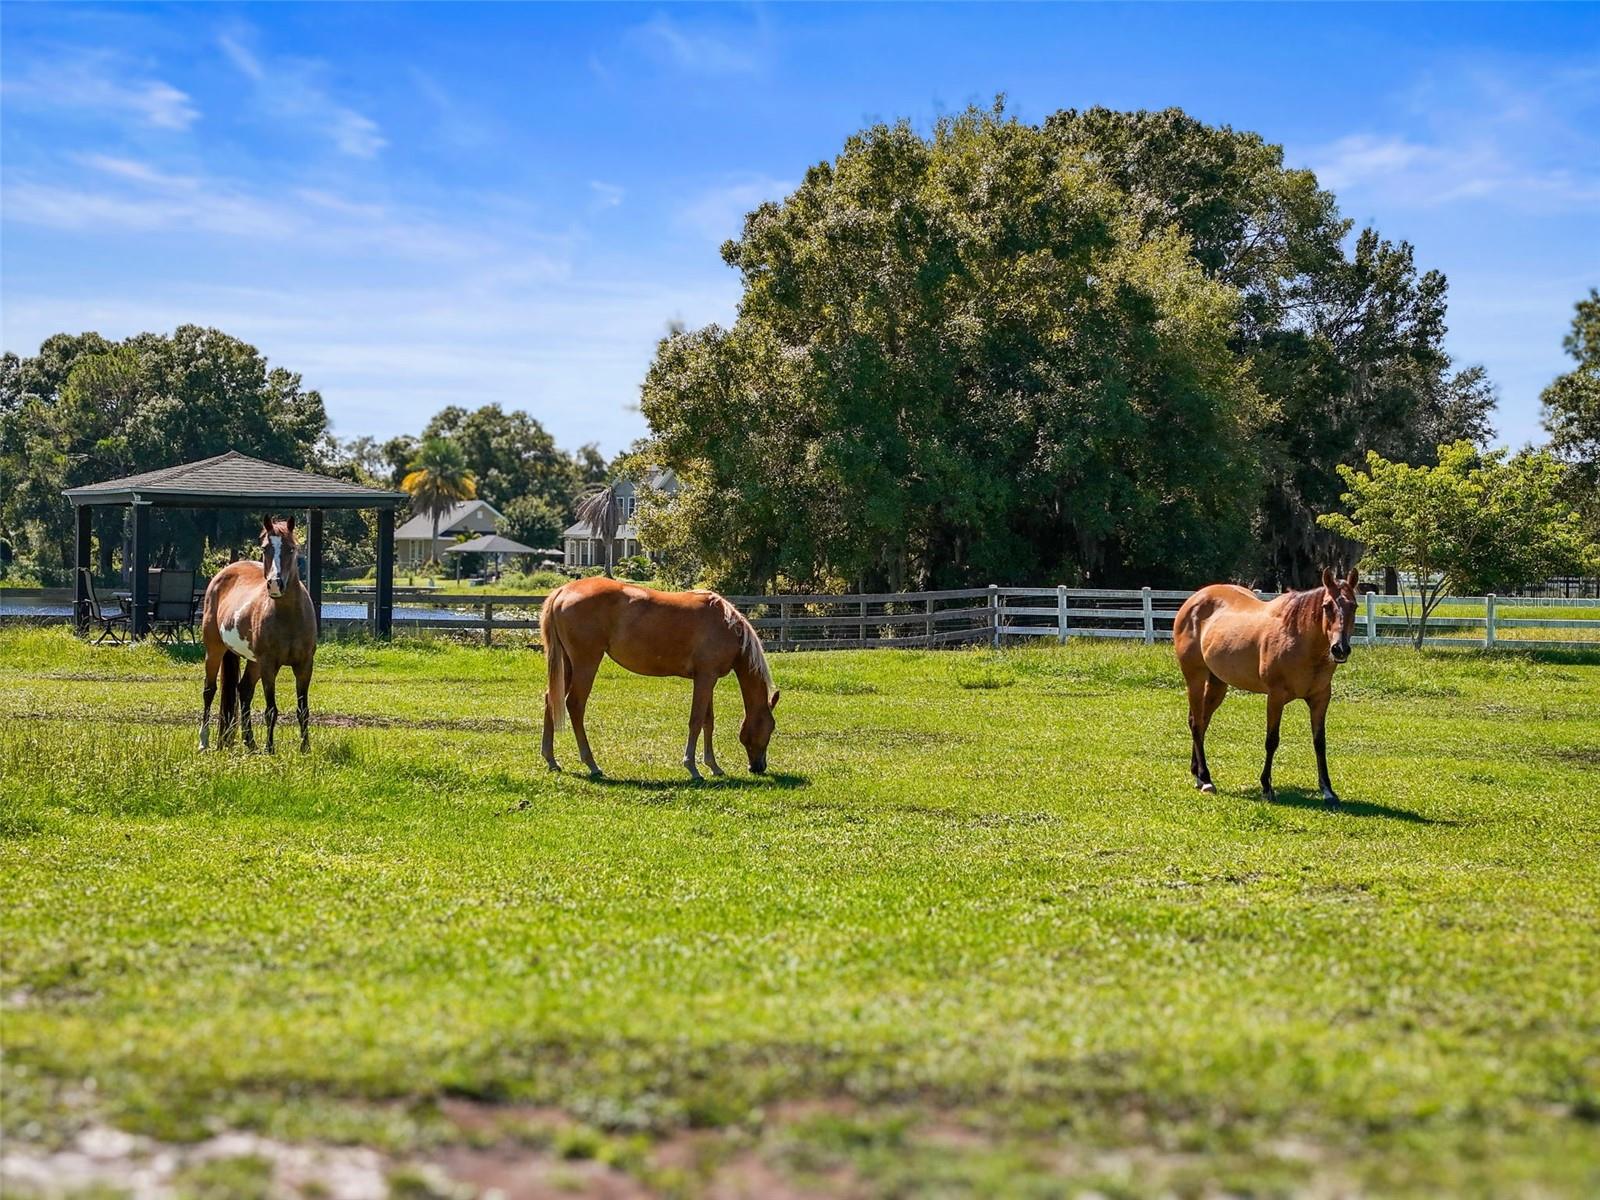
column 94, row 612
column 174, row 606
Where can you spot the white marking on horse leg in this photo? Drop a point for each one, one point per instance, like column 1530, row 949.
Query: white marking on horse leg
column 205, row 733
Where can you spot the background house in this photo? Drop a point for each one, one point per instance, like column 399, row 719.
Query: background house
column 585, row 549
column 412, row 540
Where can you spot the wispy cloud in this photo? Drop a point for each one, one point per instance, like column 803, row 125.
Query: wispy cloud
column 606, row 195
column 1486, row 132
column 717, row 213
column 702, row 50
column 293, row 89
column 98, row 83
column 112, row 195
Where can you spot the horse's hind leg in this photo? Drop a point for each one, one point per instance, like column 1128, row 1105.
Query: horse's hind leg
column 247, row 696
column 302, row 702
column 579, row 685
column 1206, row 692
column 213, row 664
column 228, row 720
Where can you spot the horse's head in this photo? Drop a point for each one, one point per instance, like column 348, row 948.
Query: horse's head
column 1339, row 612
column 756, row 732
column 278, row 557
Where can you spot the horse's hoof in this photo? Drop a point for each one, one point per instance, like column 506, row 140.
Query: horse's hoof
column 1206, row 788
column 717, row 771
column 1269, row 795
column 1330, row 799
column 552, row 765
column 596, row 773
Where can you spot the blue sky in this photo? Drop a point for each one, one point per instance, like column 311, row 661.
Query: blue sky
column 420, row 205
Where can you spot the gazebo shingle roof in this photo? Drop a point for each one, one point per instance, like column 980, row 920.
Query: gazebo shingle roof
column 235, row 480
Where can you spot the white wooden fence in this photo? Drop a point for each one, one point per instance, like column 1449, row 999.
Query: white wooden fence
column 989, row 615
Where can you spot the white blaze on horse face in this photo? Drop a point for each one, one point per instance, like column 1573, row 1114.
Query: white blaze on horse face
column 275, row 572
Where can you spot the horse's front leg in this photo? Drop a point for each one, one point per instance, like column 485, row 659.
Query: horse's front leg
column 269, row 691
column 709, row 729
column 1275, row 703
column 302, row 703
column 1319, row 739
column 697, row 720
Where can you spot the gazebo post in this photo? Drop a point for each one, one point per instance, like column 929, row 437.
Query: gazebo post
column 80, row 563
column 141, row 569
column 384, row 617
column 314, row 561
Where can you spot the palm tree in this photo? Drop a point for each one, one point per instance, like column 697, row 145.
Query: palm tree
column 600, row 508
column 438, row 478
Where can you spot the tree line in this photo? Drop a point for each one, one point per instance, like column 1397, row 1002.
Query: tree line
column 86, row 408
column 1108, row 348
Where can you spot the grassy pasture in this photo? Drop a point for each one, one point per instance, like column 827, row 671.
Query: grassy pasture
column 976, row 934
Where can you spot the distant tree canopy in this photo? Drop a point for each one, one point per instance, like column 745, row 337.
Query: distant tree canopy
column 85, row 409
column 1572, row 410
column 517, row 466
column 1114, row 347
column 1475, row 522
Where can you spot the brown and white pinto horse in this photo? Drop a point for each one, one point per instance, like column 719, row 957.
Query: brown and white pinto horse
column 259, row 612
column 692, row 635
column 1289, row 647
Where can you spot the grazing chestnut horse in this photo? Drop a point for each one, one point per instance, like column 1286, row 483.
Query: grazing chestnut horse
column 259, row 612
column 692, row 635
column 1287, row 647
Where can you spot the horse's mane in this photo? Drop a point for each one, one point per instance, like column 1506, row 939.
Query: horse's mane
column 1301, row 608
column 750, row 648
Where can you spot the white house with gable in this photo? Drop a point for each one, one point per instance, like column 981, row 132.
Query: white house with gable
column 412, row 540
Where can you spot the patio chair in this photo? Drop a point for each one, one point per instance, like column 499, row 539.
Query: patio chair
column 174, row 606
column 96, row 612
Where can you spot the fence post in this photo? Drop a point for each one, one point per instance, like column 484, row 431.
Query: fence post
column 1488, row 621
column 1372, row 621
column 488, row 622
column 994, row 616
column 783, row 625
column 1061, row 613
column 928, row 622
column 1149, row 619
column 863, row 634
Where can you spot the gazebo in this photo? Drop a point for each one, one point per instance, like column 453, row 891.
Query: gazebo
column 235, row 480
column 491, row 543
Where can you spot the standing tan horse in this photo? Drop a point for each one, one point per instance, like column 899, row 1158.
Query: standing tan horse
column 1288, row 648
column 692, row 635
column 259, row 612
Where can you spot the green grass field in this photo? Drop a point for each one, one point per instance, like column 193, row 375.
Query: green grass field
column 975, row 935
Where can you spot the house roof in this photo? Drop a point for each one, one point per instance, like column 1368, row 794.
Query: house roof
column 420, row 527
column 584, row 530
column 490, row 543
column 234, row 480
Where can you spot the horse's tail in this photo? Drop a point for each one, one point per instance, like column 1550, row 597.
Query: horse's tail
column 555, row 660
column 230, row 690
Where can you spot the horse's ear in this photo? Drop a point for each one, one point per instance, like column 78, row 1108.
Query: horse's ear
column 266, row 523
column 1327, row 580
column 1353, row 578
column 289, row 521
column 773, row 703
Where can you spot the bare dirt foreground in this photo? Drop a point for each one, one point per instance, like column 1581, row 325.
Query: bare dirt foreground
column 103, row 1162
